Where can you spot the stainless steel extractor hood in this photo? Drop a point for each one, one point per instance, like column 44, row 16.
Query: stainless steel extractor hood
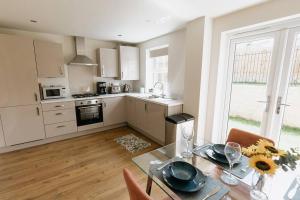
column 81, row 58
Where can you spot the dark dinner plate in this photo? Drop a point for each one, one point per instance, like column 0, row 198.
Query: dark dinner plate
column 184, row 186
column 212, row 155
column 219, row 149
column 182, row 171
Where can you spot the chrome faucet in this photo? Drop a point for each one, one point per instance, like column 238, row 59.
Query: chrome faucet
column 161, row 87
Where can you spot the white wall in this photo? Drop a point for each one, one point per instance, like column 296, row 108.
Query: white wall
column 198, row 40
column 176, row 50
column 265, row 12
column 77, row 78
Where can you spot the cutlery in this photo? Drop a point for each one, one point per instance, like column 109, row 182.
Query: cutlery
column 164, row 164
column 213, row 192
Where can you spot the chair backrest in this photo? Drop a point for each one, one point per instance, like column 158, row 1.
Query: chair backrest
column 244, row 138
column 134, row 189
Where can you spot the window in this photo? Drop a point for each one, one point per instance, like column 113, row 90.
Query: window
column 157, row 68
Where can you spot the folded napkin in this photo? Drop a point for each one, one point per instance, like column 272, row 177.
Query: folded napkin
column 240, row 170
column 209, row 185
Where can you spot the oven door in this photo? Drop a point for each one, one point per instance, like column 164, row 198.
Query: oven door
column 90, row 114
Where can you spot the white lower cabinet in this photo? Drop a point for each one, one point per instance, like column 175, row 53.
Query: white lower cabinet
column 56, row 116
column 22, row 124
column 2, row 140
column 140, row 113
column 60, row 128
column 114, row 110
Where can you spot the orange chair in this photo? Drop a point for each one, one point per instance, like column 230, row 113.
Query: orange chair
column 244, row 138
column 134, row 189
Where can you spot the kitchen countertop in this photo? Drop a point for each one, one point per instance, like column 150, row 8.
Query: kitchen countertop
column 161, row 101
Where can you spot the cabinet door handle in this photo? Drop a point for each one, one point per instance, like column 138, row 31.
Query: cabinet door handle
column 36, row 97
column 60, row 70
column 122, row 74
column 59, row 106
column 59, row 114
column 38, row 111
column 62, row 126
column 102, row 70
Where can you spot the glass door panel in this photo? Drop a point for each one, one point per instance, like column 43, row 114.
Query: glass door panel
column 290, row 127
column 249, row 98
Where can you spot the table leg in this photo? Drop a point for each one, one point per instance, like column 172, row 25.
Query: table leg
column 149, row 185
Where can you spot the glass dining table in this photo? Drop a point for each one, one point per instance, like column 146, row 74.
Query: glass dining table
column 276, row 188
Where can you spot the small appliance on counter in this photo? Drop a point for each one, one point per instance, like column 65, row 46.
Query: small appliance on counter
column 53, row 92
column 114, row 88
column 101, row 88
column 126, row 88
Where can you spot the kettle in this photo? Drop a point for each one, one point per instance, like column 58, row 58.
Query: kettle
column 126, row 88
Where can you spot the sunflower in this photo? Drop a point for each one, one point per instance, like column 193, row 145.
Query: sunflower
column 267, row 148
column 249, row 151
column 263, row 164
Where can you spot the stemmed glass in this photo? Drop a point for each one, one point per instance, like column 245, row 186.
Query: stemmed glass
column 188, row 135
column 233, row 154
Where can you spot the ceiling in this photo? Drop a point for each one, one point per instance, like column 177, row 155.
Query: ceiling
column 123, row 20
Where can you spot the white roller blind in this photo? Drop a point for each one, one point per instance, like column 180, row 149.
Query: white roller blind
column 159, row 52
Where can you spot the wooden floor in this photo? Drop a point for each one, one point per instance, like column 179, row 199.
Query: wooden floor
column 87, row 167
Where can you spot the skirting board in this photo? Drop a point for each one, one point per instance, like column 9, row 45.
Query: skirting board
column 58, row 138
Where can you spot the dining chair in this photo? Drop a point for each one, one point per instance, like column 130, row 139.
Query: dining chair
column 134, row 189
column 244, row 138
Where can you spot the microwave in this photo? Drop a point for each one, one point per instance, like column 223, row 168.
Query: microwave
column 53, row 92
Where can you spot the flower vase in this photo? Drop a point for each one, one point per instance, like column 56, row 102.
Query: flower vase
column 258, row 183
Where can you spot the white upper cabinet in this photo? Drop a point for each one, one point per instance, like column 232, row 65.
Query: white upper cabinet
column 18, row 75
column 129, row 63
column 49, row 59
column 114, row 110
column 107, row 62
column 22, row 124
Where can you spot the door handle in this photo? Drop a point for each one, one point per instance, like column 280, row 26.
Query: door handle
column 38, row 111
column 62, row 126
column 59, row 114
column 267, row 103
column 279, row 104
column 59, row 106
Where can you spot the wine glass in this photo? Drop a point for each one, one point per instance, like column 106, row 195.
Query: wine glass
column 233, row 154
column 188, row 135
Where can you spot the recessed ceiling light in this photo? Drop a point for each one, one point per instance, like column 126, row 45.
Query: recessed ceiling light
column 33, row 21
column 163, row 20
column 119, row 35
column 147, row 20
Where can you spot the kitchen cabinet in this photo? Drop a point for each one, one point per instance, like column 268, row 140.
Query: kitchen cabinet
column 107, row 62
column 18, row 75
column 129, row 63
column 22, row 124
column 155, row 121
column 61, row 128
column 113, row 110
column 130, row 111
column 2, row 140
column 140, row 113
column 49, row 59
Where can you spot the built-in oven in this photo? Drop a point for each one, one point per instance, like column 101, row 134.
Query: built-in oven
column 89, row 112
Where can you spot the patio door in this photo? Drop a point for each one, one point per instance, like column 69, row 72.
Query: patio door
column 286, row 120
column 254, row 70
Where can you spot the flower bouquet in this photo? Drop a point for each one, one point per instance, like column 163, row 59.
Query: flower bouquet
column 265, row 159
